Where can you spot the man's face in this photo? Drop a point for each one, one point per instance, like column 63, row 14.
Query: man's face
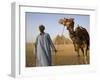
column 41, row 29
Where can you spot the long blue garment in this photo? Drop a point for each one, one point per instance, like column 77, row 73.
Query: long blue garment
column 42, row 50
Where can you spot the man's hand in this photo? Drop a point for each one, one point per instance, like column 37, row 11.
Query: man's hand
column 55, row 50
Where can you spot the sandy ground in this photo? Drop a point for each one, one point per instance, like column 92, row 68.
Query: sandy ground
column 65, row 56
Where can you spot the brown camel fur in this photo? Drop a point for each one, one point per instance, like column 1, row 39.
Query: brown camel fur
column 79, row 35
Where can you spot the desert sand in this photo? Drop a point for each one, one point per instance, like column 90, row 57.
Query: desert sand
column 65, row 55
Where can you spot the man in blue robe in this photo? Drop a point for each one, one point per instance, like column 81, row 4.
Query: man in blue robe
column 43, row 46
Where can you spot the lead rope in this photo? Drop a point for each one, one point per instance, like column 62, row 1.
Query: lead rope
column 62, row 30
column 57, row 47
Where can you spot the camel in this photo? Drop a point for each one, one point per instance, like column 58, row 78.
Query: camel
column 79, row 35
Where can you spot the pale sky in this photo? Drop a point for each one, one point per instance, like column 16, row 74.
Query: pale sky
column 50, row 21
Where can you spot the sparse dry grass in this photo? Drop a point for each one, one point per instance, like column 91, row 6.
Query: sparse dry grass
column 65, row 55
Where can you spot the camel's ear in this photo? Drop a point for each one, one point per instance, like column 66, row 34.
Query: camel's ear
column 64, row 18
column 73, row 19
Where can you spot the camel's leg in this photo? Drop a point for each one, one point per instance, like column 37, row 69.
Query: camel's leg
column 74, row 46
column 82, row 50
column 77, row 49
column 87, row 51
column 85, row 55
column 78, row 57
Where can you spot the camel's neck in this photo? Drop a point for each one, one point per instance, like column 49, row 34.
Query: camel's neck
column 72, row 33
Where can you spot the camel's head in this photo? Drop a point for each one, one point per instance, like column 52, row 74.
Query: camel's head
column 67, row 22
